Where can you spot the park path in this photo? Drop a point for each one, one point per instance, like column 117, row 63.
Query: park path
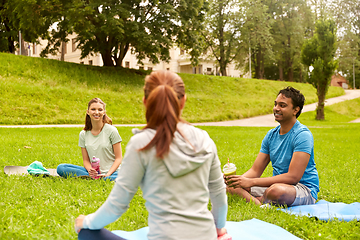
column 259, row 121
column 269, row 120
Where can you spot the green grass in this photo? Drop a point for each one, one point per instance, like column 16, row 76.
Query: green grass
column 45, row 208
column 43, row 91
column 336, row 114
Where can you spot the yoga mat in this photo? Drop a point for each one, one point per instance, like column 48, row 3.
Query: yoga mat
column 253, row 229
column 327, row 211
column 21, row 170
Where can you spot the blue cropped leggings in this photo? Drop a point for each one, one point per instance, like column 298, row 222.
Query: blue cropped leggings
column 70, row 170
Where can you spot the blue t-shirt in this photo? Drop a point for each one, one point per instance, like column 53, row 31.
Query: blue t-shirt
column 280, row 148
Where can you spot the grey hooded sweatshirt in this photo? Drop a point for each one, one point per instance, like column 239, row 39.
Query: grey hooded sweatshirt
column 176, row 188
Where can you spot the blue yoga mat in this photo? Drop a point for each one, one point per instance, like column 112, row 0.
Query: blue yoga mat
column 327, row 211
column 253, row 229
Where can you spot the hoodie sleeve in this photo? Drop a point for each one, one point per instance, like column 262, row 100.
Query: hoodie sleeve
column 126, row 185
column 217, row 191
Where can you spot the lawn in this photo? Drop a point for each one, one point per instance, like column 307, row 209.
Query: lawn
column 45, row 208
column 44, row 91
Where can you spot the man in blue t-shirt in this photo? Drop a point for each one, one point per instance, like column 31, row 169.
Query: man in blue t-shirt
column 290, row 149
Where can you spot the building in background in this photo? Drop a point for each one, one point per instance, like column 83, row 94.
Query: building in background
column 339, row 81
column 179, row 62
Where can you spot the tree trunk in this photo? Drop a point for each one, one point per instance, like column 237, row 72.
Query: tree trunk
column 11, row 45
column 291, row 72
column 63, row 48
column 222, row 62
column 290, row 62
column 262, row 67
column 222, row 67
column 11, row 42
column 123, row 50
column 107, row 59
column 320, row 115
column 259, row 64
column 256, row 68
column 281, row 71
column 289, row 66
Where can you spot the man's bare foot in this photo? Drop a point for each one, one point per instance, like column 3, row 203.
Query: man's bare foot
column 243, row 194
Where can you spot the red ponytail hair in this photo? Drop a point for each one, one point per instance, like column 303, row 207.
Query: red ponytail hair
column 163, row 92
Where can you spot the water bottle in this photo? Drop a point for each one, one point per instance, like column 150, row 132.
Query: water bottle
column 95, row 164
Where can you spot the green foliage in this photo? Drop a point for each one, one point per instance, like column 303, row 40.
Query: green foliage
column 32, row 17
column 45, row 208
column 319, row 52
column 256, row 35
column 147, row 28
column 231, row 27
column 348, row 21
column 292, row 22
column 42, row 91
column 8, row 31
column 57, row 34
column 110, row 28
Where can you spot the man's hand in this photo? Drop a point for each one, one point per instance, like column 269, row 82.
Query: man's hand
column 239, row 181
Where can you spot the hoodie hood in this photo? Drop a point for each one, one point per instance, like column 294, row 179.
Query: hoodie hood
column 191, row 147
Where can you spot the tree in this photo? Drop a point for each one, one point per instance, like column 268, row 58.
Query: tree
column 347, row 13
column 147, row 28
column 319, row 53
column 221, row 33
column 256, row 35
column 32, row 17
column 232, row 26
column 8, row 32
column 56, row 36
column 292, row 21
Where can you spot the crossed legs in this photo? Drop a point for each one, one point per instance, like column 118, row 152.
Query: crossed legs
column 278, row 193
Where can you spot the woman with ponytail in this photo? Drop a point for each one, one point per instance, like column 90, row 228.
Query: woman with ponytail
column 100, row 140
column 177, row 167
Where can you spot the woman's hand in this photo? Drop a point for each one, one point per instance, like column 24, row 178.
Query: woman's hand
column 92, row 172
column 221, row 231
column 79, row 223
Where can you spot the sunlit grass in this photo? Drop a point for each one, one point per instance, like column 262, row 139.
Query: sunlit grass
column 336, row 114
column 43, row 91
column 40, row 91
column 45, row 208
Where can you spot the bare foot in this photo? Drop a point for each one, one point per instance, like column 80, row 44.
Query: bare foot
column 243, row 194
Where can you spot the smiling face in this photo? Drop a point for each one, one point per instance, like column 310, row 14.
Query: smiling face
column 96, row 111
column 284, row 110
